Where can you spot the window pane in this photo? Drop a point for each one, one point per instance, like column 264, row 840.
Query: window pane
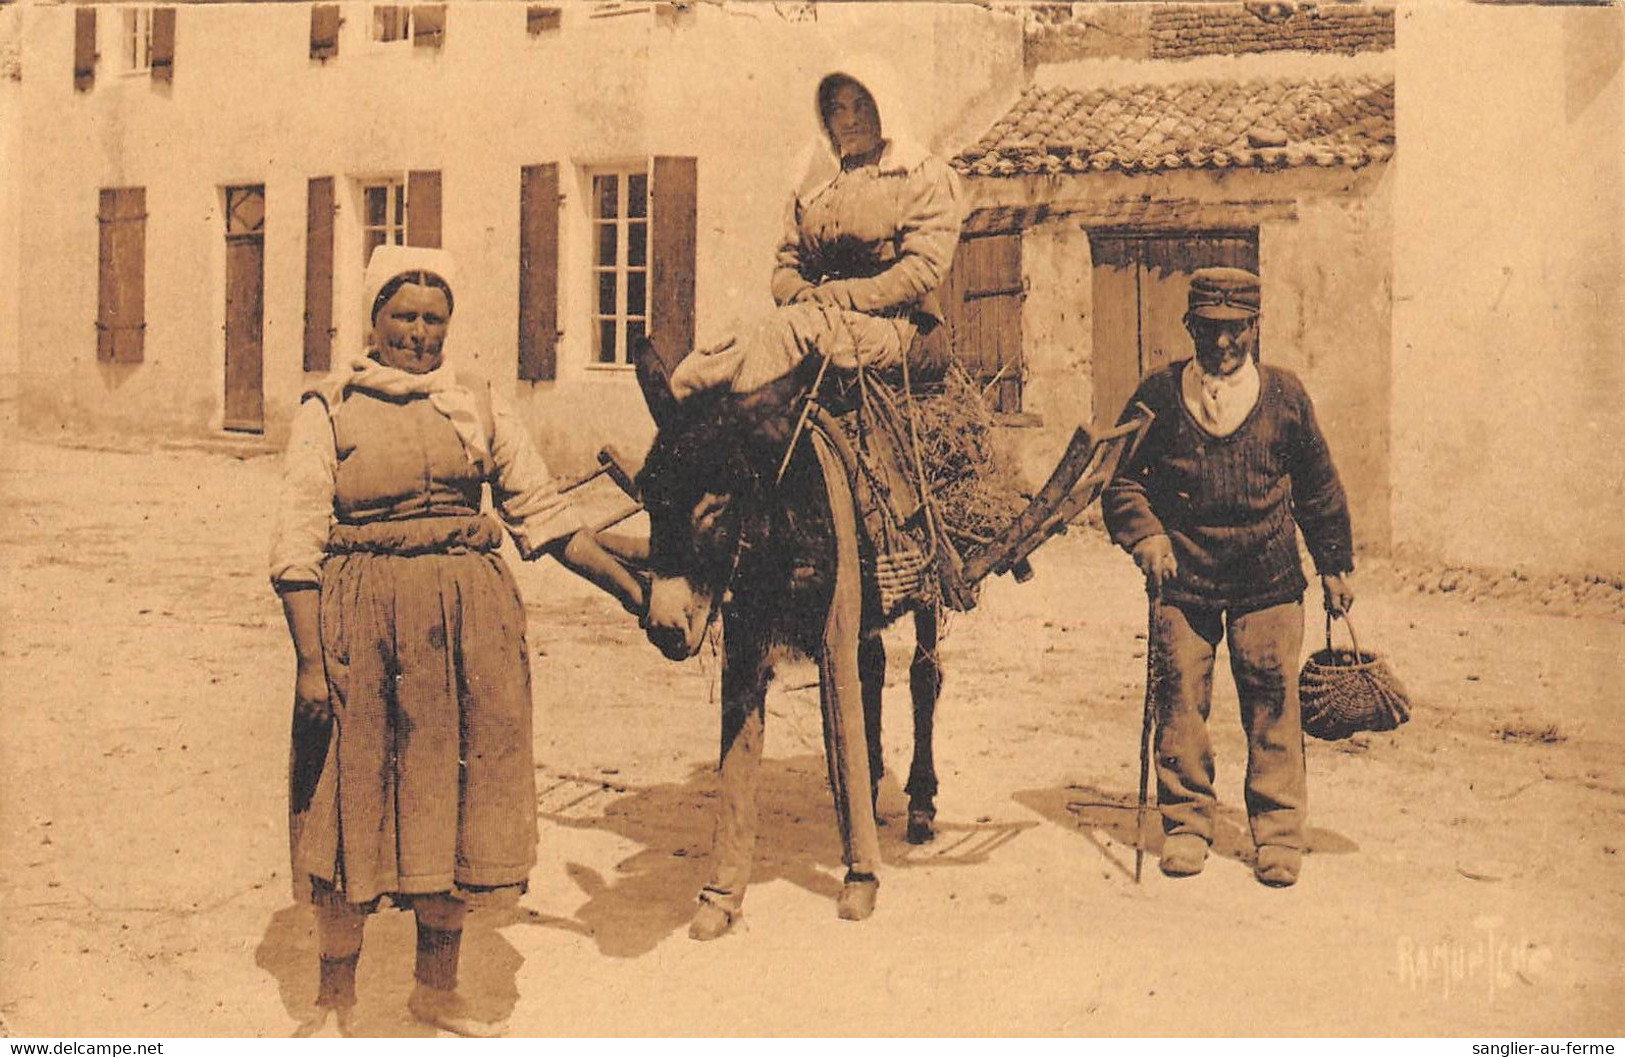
column 637, row 195
column 377, row 206
column 606, row 293
column 634, row 331
column 369, row 242
column 637, row 236
column 604, row 190
column 606, row 341
column 634, row 293
column 606, row 246
column 397, row 194
column 245, row 210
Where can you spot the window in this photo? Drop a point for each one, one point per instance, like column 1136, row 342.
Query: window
column 422, row 24
column 620, row 263
column 135, row 49
column 383, row 215
column 391, row 22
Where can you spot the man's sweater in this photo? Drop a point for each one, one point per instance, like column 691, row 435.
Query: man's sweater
column 1229, row 503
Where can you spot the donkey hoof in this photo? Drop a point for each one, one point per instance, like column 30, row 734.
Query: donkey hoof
column 920, row 828
column 858, row 894
column 711, row 921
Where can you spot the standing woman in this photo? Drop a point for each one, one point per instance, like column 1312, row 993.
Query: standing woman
column 412, row 772
column 869, row 234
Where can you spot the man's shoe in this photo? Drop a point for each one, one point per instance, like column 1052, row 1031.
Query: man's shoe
column 1277, row 866
column 1183, row 855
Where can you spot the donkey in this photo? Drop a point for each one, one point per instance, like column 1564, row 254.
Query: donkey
column 775, row 552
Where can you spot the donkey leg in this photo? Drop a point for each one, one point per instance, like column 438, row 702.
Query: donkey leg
column 872, row 674
column 924, row 686
column 744, row 693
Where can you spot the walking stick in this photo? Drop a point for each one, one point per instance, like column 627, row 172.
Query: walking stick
column 1152, row 674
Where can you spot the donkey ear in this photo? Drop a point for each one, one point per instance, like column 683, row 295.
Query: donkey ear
column 655, row 381
column 771, row 411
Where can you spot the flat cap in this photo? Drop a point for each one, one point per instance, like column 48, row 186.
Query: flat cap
column 1223, row 293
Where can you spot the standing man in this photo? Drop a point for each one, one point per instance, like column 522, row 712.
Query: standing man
column 1209, row 506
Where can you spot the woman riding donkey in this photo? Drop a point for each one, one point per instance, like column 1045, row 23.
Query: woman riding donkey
column 870, row 233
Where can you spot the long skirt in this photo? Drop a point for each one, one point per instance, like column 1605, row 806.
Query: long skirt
column 428, row 781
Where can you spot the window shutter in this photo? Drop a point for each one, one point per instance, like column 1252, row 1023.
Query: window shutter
column 428, row 25
column 538, row 272
column 84, row 48
column 423, row 208
column 163, row 44
column 324, row 31
column 539, row 19
column 121, row 262
column 319, row 274
column 674, row 218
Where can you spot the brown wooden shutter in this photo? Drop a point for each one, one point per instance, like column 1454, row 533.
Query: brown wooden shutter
column 538, row 272
column 84, row 48
column 423, row 208
column 319, row 208
column 540, row 19
column 122, row 267
column 675, row 194
column 324, row 31
column 163, row 44
column 982, row 299
column 428, row 25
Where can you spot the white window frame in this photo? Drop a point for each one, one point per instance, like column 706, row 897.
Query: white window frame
column 627, row 323
column 397, row 210
column 135, row 41
column 403, row 12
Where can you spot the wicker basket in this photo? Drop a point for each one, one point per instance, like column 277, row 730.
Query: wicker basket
column 1343, row 692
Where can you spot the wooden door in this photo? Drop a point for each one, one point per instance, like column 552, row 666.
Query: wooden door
column 245, row 309
column 1140, row 286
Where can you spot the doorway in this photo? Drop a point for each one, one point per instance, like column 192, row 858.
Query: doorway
column 245, row 309
column 1140, row 284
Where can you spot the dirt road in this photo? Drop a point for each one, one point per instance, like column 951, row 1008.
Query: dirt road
column 1465, row 879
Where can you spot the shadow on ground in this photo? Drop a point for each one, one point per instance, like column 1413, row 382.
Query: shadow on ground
column 1106, row 819
column 651, row 893
column 487, row 974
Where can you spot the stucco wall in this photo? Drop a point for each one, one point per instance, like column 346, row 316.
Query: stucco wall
column 10, row 117
column 1509, row 312
column 1325, row 240
column 729, row 85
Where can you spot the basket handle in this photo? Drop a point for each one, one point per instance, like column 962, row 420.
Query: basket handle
column 1348, row 623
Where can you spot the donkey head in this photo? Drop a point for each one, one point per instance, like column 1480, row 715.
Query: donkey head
column 711, row 465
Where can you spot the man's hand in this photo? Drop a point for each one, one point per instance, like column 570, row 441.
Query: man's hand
column 1155, row 557
column 310, row 700
column 1338, row 594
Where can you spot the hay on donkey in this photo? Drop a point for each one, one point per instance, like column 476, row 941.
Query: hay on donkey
column 977, row 487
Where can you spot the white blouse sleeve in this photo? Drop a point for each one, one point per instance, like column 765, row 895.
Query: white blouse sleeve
column 305, row 501
column 525, row 494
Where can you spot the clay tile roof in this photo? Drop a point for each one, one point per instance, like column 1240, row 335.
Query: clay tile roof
column 1199, row 124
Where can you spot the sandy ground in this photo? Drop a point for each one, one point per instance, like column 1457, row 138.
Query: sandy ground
column 1465, row 879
